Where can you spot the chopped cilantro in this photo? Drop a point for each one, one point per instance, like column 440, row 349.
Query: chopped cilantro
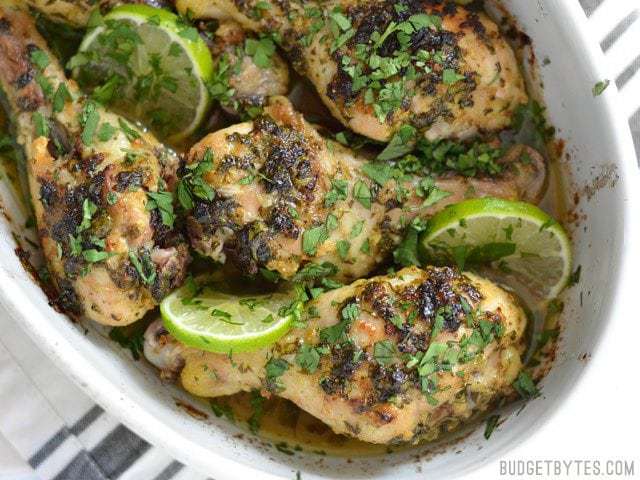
column 401, row 143
column 356, row 230
column 365, row 247
column 308, row 358
column 61, row 96
column 384, row 352
column 350, row 312
column 89, row 119
column 525, row 387
column 144, row 266
column 88, row 210
column 163, row 201
column 130, row 132
column 492, row 423
column 599, row 88
column 192, row 184
column 274, row 369
column 314, row 271
column 379, row 172
column 257, row 407
column 342, row 247
column 106, row 132
column 574, row 278
column 450, row 77
column 221, row 409
column 406, row 253
column 40, row 59
column 260, row 50
column 338, row 192
column 41, row 124
column 312, row 238
column 94, row 256
column 362, row 194
column 130, row 337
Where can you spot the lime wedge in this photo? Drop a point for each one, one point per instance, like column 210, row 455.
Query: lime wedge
column 202, row 315
column 516, row 238
column 150, row 65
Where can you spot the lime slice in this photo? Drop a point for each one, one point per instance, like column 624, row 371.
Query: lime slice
column 151, row 65
column 204, row 316
column 516, row 238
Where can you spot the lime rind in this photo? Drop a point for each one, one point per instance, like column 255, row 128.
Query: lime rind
column 244, row 330
column 542, row 257
column 197, row 51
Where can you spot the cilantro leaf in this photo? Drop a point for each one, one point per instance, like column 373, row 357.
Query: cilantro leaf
column 308, row 358
column 400, row 144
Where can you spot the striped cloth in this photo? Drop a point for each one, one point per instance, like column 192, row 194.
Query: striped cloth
column 61, row 434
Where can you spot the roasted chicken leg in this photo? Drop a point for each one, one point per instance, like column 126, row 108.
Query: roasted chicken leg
column 391, row 359
column 281, row 196
column 379, row 64
column 103, row 216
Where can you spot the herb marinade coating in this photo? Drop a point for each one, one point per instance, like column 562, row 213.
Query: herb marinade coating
column 398, row 358
column 280, row 196
column 443, row 68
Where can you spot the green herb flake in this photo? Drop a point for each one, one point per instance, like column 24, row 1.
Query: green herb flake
column 221, row 409
column 40, row 59
column 356, row 230
column 163, row 201
column 260, row 50
column 450, row 77
column 61, row 96
column 257, row 410
column 274, row 369
column 362, row 194
column 41, row 124
column 401, row 143
column 144, row 266
column 365, row 247
column 129, row 337
column 492, row 423
column 525, row 387
column 384, row 352
column 599, row 88
column 130, row 132
column 342, row 247
column 308, row 358
column 106, row 132
column 313, row 238
column 338, row 192
column 94, row 256
column 89, row 119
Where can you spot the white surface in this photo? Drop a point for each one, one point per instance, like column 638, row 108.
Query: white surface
column 12, row 466
column 581, row 428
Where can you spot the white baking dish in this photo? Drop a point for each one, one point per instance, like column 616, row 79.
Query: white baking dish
column 601, row 165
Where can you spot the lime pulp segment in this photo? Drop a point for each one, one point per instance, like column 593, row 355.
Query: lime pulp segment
column 158, row 65
column 516, row 238
column 220, row 322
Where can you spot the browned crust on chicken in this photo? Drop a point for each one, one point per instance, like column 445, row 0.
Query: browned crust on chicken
column 439, row 66
column 285, row 197
column 391, row 359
